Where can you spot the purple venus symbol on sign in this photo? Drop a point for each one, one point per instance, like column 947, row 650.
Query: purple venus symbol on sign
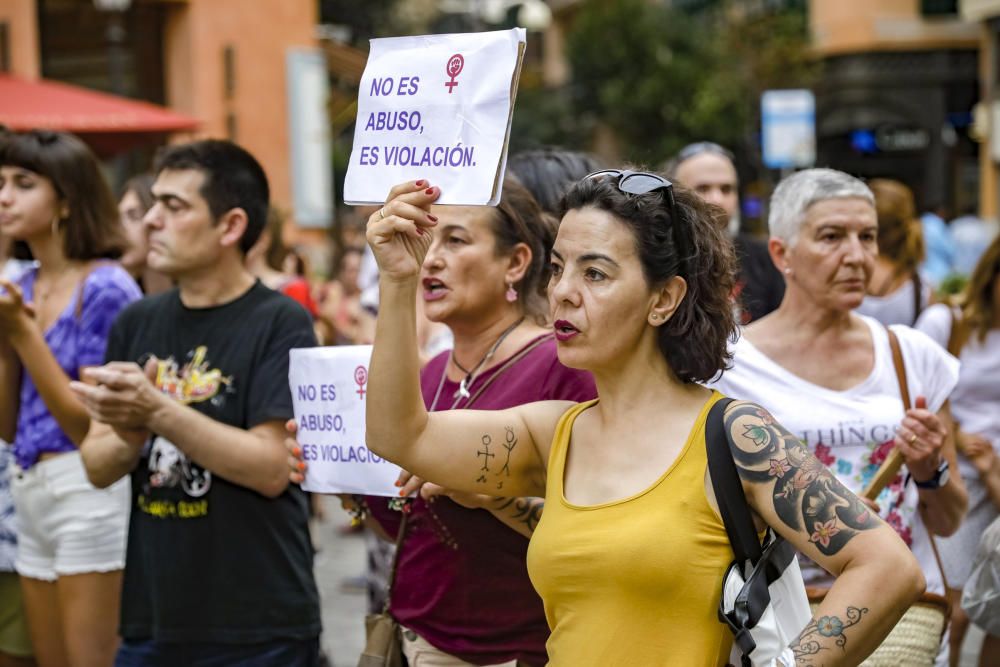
column 360, row 378
column 454, row 68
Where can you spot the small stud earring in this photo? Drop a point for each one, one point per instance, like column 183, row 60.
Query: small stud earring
column 788, row 270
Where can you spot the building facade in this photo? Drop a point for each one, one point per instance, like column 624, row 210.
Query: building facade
column 986, row 14
column 899, row 85
column 220, row 61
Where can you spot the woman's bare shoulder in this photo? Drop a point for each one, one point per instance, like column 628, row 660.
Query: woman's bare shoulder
column 542, row 419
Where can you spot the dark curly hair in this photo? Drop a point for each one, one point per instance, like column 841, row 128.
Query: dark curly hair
column 695, row 340
column 548, row 173
column 518, row 218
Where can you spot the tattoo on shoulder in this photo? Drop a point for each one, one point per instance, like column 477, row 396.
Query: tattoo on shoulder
column 814, row 637
column 806, row 495
column 494, row 471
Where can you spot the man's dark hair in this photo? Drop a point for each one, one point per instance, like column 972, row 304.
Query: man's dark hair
column 92, row 227
column 233, row 179
column 695, row 340
column 547, row 173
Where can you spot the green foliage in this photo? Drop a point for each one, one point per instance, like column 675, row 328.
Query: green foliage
column 545, row 118
column 636, row 68
column 661, row 77
column 953, row 284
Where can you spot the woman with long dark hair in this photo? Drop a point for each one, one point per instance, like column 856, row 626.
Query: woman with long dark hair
column 54, row 322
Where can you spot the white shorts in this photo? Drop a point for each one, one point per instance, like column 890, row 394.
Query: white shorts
column 65, row 525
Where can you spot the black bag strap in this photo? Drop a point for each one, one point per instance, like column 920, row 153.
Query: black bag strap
column 728, row 488
column 918, row 293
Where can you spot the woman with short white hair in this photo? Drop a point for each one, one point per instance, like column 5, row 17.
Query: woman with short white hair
column 828, row 372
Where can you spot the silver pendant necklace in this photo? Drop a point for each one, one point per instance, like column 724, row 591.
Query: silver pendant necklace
column 464, row 386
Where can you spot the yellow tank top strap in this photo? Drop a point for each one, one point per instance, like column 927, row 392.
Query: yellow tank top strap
column 560, row 444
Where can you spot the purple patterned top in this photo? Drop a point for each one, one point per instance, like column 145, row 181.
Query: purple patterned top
column 76, row 343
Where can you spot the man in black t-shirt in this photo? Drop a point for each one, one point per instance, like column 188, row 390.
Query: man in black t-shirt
column 707, row 169
column 191, row 403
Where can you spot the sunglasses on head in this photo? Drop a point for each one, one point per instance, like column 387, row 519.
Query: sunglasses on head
column 641, row 183
column 638, row 182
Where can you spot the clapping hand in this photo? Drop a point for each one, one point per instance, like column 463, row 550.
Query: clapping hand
column 16, row 315
column 122, row 395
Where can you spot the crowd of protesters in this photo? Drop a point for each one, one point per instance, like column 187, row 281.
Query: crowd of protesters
column 150, row 512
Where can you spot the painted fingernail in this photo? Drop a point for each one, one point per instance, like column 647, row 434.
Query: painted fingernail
column 421, row 183
column 429, row 191
column 420, row 231
column 432, row 218
column 296, row 452
column 398, row 483
column 301, row 465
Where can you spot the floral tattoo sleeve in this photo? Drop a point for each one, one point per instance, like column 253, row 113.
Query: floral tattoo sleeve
column 807, row 497
column 821, row 632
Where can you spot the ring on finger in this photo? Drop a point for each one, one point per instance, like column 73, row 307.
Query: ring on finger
column 912, row 439
column 381, row 213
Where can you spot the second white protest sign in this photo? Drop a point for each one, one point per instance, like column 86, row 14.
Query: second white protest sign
column 329, row 387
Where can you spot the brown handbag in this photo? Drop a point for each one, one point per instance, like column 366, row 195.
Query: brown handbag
column 383, row 640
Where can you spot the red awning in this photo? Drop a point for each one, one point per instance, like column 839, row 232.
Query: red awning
column 108, row 122
column 59, row 106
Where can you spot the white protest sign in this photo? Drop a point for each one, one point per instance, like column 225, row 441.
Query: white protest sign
column 437, row 107
column 329, row 386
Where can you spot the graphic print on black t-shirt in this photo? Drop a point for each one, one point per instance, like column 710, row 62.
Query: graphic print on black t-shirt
column 194, row 382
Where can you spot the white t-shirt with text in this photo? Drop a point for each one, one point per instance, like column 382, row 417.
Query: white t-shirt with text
column 852, row 431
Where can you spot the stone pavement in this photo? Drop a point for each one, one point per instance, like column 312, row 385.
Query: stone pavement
column 342, row 556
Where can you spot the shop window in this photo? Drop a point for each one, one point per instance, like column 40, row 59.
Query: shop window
column 939, row 7
column 4, row 47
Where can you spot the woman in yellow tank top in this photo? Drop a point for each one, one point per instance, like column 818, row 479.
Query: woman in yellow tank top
column 630, row 553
